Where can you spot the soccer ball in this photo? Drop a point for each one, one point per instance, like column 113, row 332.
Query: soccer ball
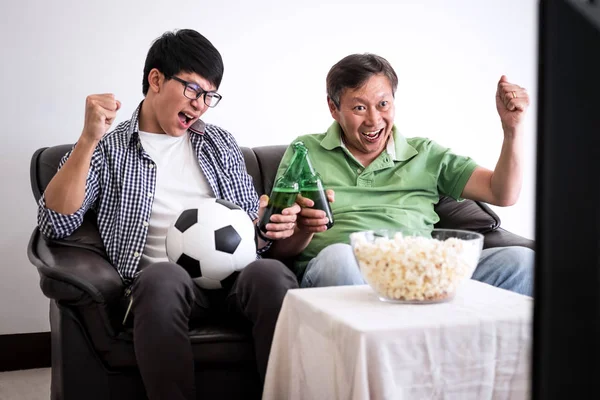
column 212, row 242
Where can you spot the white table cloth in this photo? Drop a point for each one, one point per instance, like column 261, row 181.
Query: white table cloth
column 344, row 343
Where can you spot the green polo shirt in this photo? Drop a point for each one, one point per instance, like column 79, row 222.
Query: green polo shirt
column 399, row 189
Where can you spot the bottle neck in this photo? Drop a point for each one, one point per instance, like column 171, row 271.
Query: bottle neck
column 308, row 168
column 297, row 165
column 310, row 180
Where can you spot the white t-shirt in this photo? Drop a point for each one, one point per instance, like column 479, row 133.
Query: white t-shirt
column 180, row 184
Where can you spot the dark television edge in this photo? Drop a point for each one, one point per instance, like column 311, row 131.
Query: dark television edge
column 566, row 321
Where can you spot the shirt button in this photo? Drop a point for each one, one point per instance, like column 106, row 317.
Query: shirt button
column 149, row 194
column 151, row 166
column 136, row 254
column 358, row 170
column 146, row 223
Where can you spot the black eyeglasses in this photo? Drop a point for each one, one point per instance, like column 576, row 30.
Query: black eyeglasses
column 193, row 92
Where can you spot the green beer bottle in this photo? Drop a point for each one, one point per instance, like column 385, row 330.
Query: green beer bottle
column 285, row 190
column 311, row 186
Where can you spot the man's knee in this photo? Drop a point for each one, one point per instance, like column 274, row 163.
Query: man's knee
column 163, row 280
column 335, row 265
column 338, row 254
column 337, row 257
column 509, row 268
column 261, row 287
column 165, row 273
column 267, row 274
column 519, row 259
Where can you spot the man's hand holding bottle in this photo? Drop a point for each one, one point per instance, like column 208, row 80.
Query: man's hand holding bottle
column 280, row 225
column 298, row 196
column 302, row 214
column 314, row 219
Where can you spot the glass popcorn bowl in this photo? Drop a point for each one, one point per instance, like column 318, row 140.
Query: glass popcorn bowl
column 416, row 267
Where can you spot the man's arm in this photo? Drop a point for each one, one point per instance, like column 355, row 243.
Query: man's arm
column 66, row 191
column 292, row 246
column 502, row 186
column 74, row 188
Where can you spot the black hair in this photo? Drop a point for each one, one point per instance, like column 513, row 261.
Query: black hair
column 354, row 70
column 184, row 50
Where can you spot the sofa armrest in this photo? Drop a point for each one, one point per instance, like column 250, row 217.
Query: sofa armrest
column 502, row 238
column 73, row 274
column 469, row 215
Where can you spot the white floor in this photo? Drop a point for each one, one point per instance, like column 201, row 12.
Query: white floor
column 30, row 384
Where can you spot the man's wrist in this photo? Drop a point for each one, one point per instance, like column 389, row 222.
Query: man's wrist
column 260, row 235
column 87, row 143
column 512, row 133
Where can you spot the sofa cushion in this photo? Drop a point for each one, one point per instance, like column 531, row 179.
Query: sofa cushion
column 468, row 215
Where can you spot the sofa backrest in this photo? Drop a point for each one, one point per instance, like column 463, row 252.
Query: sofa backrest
column 261, row 163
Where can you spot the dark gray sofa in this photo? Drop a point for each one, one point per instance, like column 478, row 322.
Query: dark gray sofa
column 92, row 352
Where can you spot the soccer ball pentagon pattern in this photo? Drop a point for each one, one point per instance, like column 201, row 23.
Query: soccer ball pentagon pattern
column 212, row 242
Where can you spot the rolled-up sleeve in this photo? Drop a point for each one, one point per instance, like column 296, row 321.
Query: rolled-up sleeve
column 454, row 170
column 56, row 225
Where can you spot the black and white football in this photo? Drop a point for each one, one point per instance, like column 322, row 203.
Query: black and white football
column 212, row 242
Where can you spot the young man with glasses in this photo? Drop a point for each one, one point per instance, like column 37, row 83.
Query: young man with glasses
column 137, row 178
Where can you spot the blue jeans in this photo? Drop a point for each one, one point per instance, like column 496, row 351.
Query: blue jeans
column 509, row 268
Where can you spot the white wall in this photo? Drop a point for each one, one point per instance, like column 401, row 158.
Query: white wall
column 448, row 55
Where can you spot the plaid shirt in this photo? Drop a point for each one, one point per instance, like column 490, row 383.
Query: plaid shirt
column 121, row 182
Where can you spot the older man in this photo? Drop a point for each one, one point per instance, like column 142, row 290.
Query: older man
column 384, row 180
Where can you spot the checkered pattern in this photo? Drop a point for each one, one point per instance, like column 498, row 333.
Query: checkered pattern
column 120, row 189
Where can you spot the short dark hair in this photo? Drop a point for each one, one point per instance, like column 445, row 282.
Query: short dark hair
column 354, row 70
column 184, row 50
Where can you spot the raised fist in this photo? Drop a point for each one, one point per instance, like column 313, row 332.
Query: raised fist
column 100, row 112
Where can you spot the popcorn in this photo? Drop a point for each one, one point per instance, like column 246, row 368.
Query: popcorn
column 413, row 268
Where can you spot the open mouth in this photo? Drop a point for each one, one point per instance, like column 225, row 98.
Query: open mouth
column 372, row 136
column 186, row 119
